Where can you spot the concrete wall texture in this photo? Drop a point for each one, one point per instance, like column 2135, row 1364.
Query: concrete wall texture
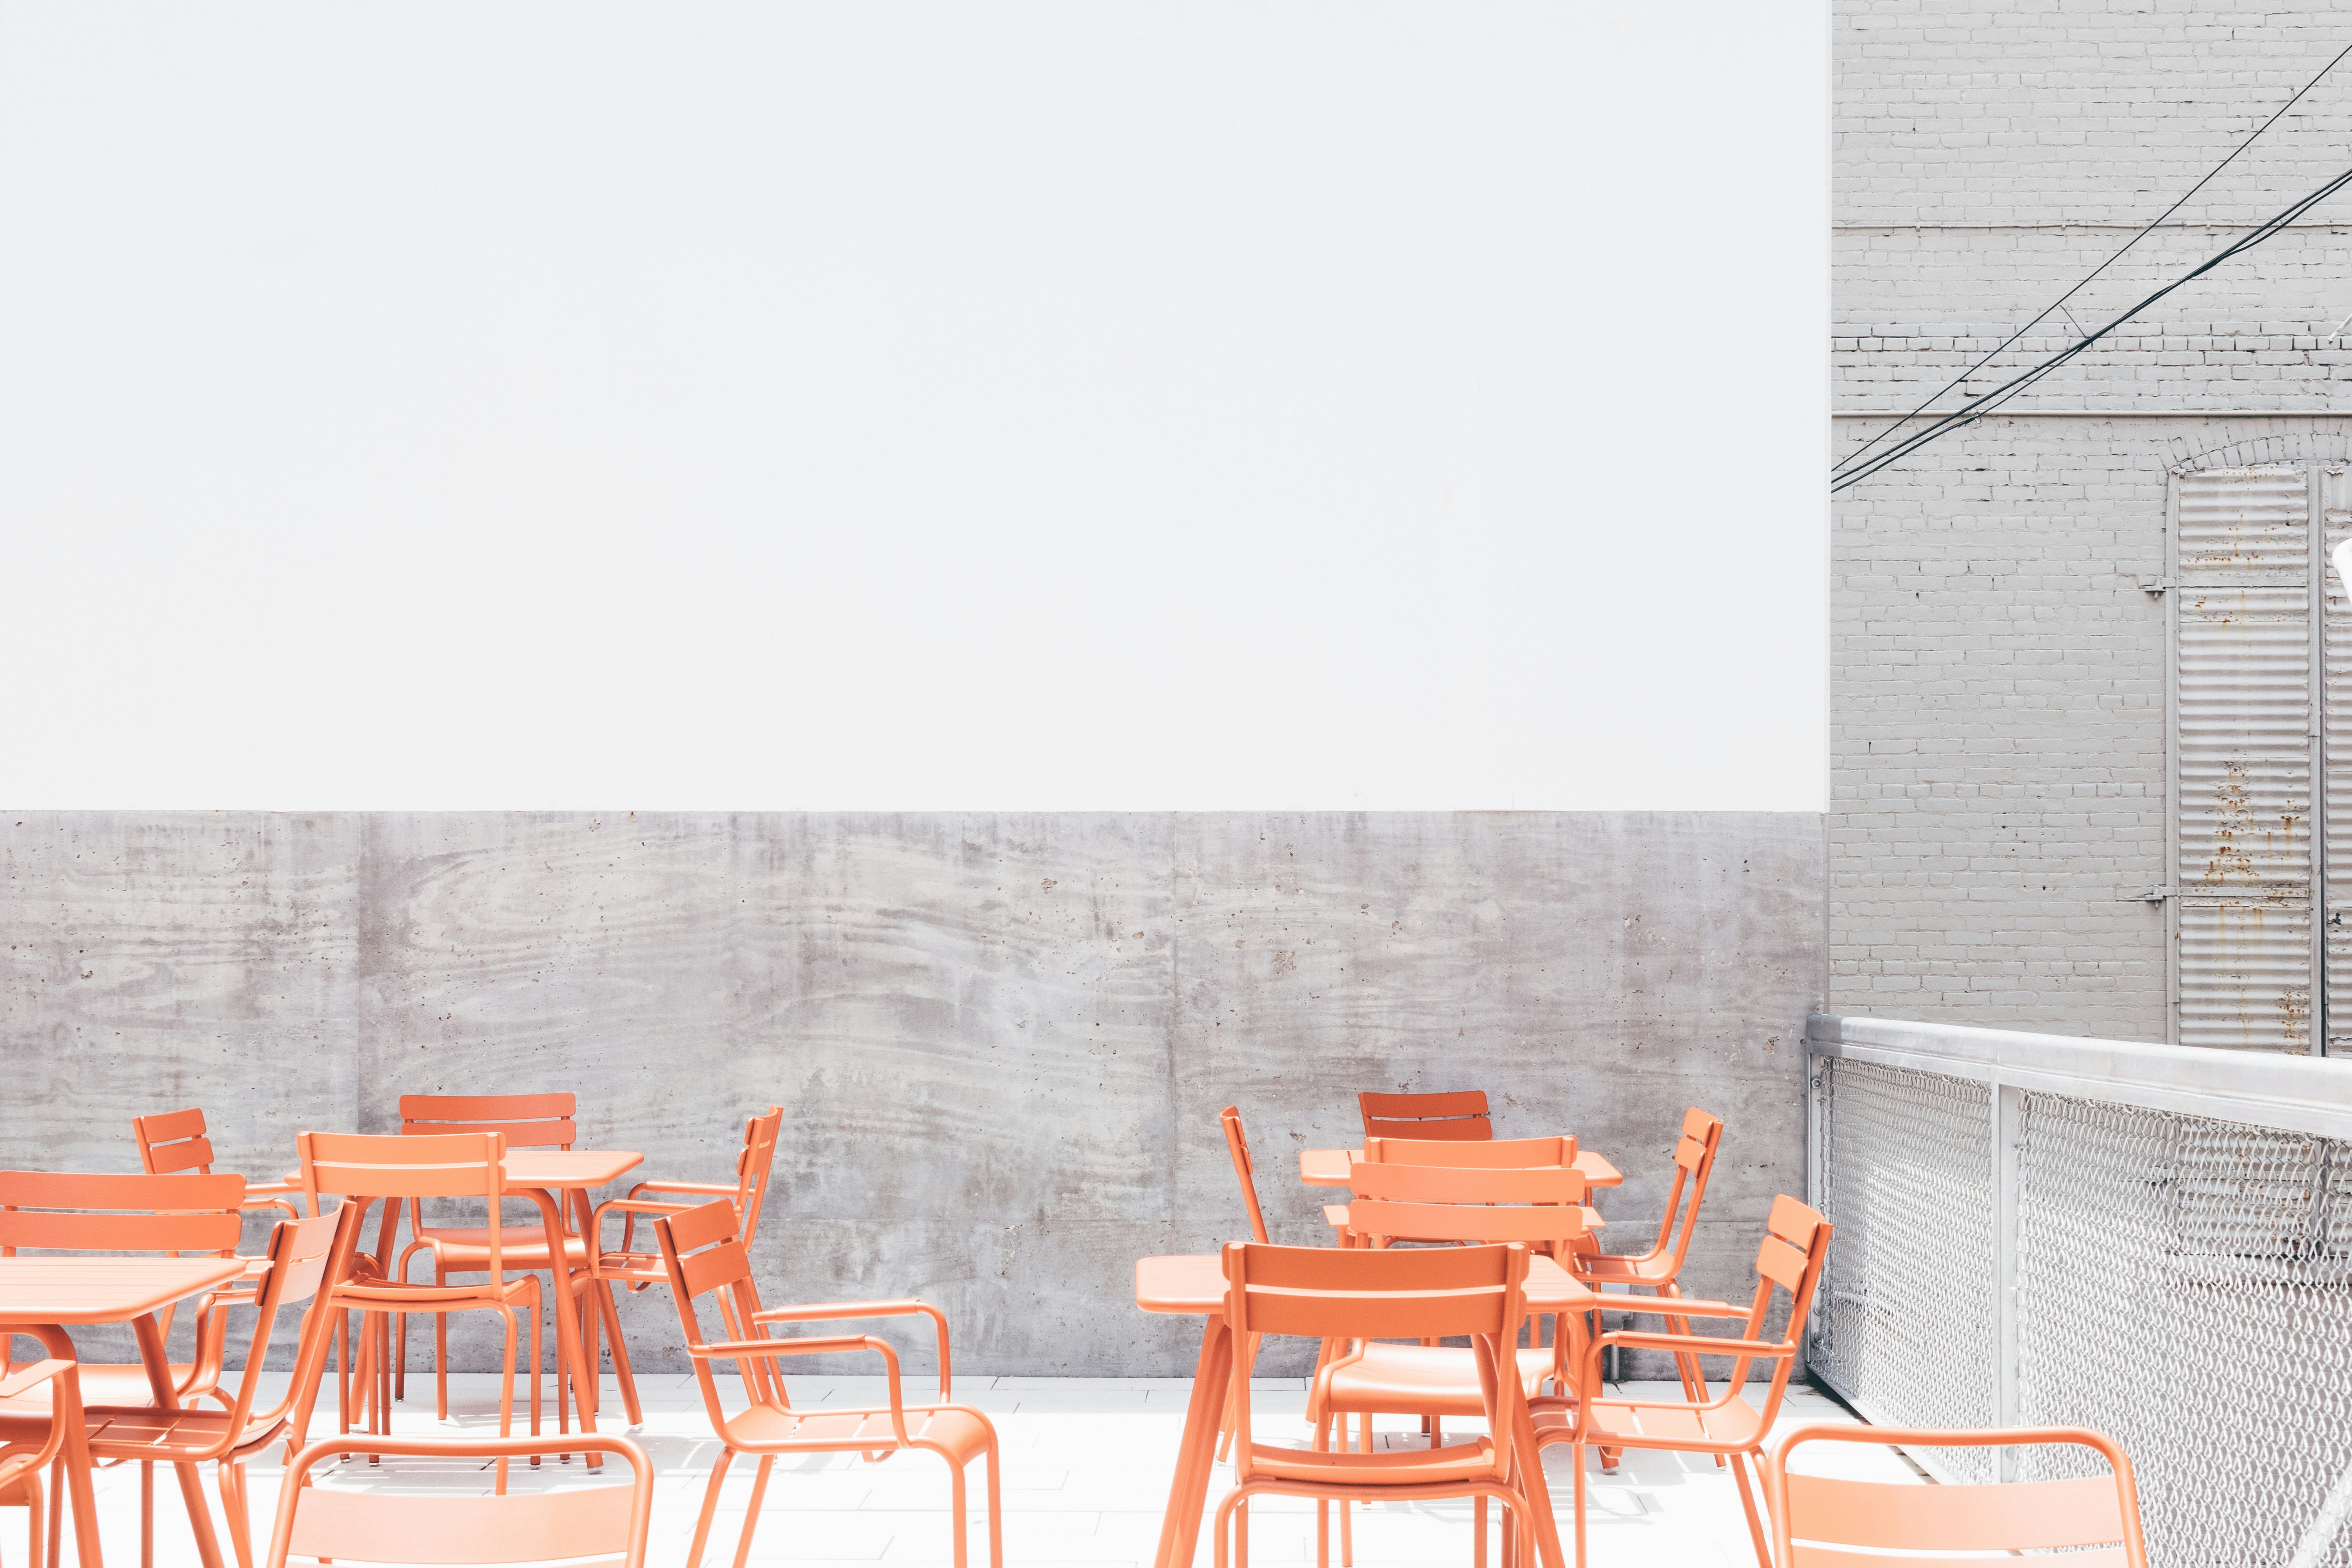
column 1001, row 1040
column 1998, row 677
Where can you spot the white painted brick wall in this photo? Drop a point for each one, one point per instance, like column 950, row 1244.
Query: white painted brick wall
column 1998, row 676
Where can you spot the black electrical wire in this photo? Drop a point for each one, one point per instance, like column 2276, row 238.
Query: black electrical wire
column 1856, row 455
column 2002, row 394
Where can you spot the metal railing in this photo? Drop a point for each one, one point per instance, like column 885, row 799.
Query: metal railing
column 2152, row 1240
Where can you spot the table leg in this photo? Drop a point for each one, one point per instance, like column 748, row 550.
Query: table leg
column 158, row 1362
column 567, row 1324
column 76, row 1447
column 1204, row 1417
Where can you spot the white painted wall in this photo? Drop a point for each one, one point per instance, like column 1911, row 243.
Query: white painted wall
column 1152, row 406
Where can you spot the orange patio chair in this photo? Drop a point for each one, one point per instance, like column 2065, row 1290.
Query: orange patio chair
column 197, row 1217
column 1822, row 1521
column 1657, row 1269
column 524, row 1121
column 175, row 1141
column 1361, row 1294
column 636, row 1269
column 1458, row 1118
column 329, row 1523
column 1541, row 1207
column 1790, row 1259
column 364, row 1170
column 22, row 1461
column 702, row 1253
column 295, row 1262
column 58, row 1211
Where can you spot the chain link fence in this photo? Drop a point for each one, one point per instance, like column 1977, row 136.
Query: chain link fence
column 2181, row 1283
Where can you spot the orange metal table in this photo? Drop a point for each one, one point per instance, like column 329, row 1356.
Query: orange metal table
column 39, row 1296
column 539, row 1174
column 1194, row 1285
column 1328, row 1168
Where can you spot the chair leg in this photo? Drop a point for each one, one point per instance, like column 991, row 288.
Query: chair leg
column 995, row 1509
column 200, row 1515
column 506, row 1394
column 33, row 1530
column 1241, row 1535
column 146, row 1513
column 1748, row 1501
column 535, row 1345
column 710, row 1507
column 400, row 1362
column 956, row 1549
column 233, row 1508
column 752, row 1515
column 440, row 1355
column 1576, row 1455
column 1478, row 1533
column 620, row 1369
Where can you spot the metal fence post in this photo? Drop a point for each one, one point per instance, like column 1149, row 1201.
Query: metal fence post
column 2008, row 1145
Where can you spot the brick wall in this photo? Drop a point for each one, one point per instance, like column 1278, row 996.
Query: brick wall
column 1998, row 676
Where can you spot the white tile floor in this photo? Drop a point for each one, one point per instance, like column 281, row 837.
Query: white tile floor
column 1087, row 1464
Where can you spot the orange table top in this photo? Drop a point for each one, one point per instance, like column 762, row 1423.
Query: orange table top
column 1328, row 1167
column 1194, row 1284
column 565, row 1168
column 104, row 1289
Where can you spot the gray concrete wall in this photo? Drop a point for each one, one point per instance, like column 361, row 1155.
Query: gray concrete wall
column 1998, row 803
column 1002, row 1040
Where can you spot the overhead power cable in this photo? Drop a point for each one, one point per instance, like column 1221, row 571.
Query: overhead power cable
column 2002, row 394
column 2058, row 304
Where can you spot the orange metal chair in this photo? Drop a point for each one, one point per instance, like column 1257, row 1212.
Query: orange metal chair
column 748, row 1193
column 335, row 1524
column 22, row 1461
column 702, row 1253
column 364, row 1170
column 1821, row 1522
column 295, row 1262
column 1362, row 1294
column 58, row 1211
column 1458, row 1117
column 525, row 1121
column 175, row 1141
column 1790, row 1259
column 1541, row 1207
column 1657, row 1269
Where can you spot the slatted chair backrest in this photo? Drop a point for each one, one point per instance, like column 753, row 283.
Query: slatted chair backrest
column 1828, row 1522
column 1433, row 1203
column 1244, row 1168
column 362, row 1167
column 403, row 1525
column 172, row 1141
column 1498, row 1153
column 703, row 1251
column 76, row 1212
column 1693, row 1163
column 1459, row 1117
column 526, row 1120
column 753, row 1164
column 1349, row 1293
column 1796, row 1243
column 298, row 1254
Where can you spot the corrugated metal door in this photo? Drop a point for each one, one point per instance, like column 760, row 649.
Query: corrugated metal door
column 2335, row 511
column 2242, row 757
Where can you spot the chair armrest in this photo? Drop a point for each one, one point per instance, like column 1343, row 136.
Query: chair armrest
column 1672, row 1306
column 1336, row 1215
column 1698, row 1344
column 32, row 1377
column 630, row 1209
column 826, row 1311
column 709, row 1189
column 255, row 1189
column 831, row 1345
